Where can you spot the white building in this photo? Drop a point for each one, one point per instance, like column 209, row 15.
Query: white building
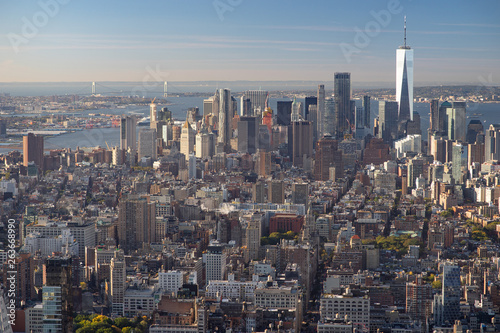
column 138, row 302
column 355, row 309
column 215, row 262
column 412, row 143
column 34, row 319
column 64, row 243
column 244, row 291
column 277, row 297
column 170, row 281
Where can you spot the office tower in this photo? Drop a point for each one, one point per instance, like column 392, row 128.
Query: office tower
column 473, row 129
column 446, row 306
column 33, row 150
column 492, row 143
column 310, row 100
column 404, row 80
column 284, row 113
column 215, row 262
column 475, row 154
column 302, row 142
column 359, row 117
column 152, row 115
column 366, row 108
column 247, row 135
column 259, row 192
column 246, row 106
column 413, row 126
column 225, row 118
column 457, row 151
column 208, row 106
column 300, row 193
column 56, row 295
column 456, row 117
column 418, row 297
column 257, row 99
column 187, row 139
column 23, row 270
column 192, row 166
column 327, row 156
column 321, row 110
column 296, row 111
column 313, row 118
column 147, row 143
column 136, row 222
column 253, row 234
column 415, row 169
column 342, row 95
column 205, row 142
column 276, row 192
column 436, row 118
column 328, row 117
column 388, row 115
column 264, row 168
column 118, row 285
column 128, row 133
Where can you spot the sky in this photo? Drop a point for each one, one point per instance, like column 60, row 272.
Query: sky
column 259, row 40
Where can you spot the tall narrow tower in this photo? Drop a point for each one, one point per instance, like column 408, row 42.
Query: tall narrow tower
column 404, row 80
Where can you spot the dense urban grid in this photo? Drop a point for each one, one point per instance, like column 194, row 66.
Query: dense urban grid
column 241, row 218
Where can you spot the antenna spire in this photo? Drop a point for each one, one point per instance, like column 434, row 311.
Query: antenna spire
column 405, row 31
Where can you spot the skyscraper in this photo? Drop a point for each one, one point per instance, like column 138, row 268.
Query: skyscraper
column 302, row 141
column 187, row 139
column 128, row 132
column 492, row 143
column 366, row 108
column 257, row 100
column 404, row 80
column 328, row 118
column 446, row 306
column 147, row 143
column 247, row 135
column 310, row 100
column 388, row 115
column 327, row 156
column 225, row 118
column 456, row 156
column 153, row 118
column 136, row 225
column 215, row 262
column 117, row 279
column 457, row 120
column 342, row 96
column 33, row 150
column 296, row 111
column 284, row 113
column 320, row 110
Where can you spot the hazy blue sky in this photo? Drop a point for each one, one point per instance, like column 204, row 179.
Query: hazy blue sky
column 107, row 40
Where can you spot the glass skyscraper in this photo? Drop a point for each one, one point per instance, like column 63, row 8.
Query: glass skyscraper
column 404, row 80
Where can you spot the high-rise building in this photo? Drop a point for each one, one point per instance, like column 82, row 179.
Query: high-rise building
column 446, row 307
column 57, row 294
column 302, row 141
column 208, row 106
column 300, row 193
column 147, row 143
column 215, row 262
column 187, row 139
column 366, row 108
column 118, row 285
column 247, row 135
column 276, row 192
column 418, row 299
column 225, row 118
column 205, row 143
column 284, row 113
column 342, row 96
column 473, row 129
column 153, row 117
column 328, row 117
column 246, row 109
column 136, row 222
column 5, row 326
column 415, row 169
column 33, row 150
column 257, row 100
column 404, row 80
column 321, row 110
column 128, row 133
column 297, row 112
column 457, row 121
column 492, row 143
column 327, row 156
column 253, row 234
column 388, row 115
column 457, row 151
column 259, row 192
column 475, row 154
column 310, row 100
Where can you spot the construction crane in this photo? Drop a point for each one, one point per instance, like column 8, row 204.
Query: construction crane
column 107, row 144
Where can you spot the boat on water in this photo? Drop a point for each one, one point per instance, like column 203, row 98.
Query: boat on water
column 144, row 122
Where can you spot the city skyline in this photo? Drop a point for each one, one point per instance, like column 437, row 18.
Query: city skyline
column 243, row 40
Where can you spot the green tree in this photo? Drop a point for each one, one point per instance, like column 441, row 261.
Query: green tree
column 122, row 322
